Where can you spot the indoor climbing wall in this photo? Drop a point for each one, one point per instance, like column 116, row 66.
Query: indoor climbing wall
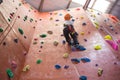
column 50, row 57
column 17, row 25
column 107, row 25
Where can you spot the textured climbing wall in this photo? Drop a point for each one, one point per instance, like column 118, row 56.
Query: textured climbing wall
column 17, row 24
column 12, row 55
column 51, row 59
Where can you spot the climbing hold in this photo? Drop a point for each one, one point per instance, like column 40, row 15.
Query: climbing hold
column 51, row 18
column 81, row 17
column 41, row 46
column 25, row 37
column 9, row 20
column 4, row 43
column 97, row 47
column 100, row 71
column 82, row 33
column 60, row 14
column 55, row 43
column 24, row 53
column 85, row 59
column 19, row 4
column 116, row 32
column 84, row 24
column 63, row 42
column 55, row 13
column 85, row 40
column 18, row 16
column 20, row 31
column 96, row 64
column 49, row 32
column 96, row 25
column 25, row 18
column 68, row 10
column 10, row 73
column 40, row 19
column 108, row 37
column 56, row 24
column 43, row 35
column 1, row 30
column 16, row 40
column 75, row 60
column 57, row 66
column 34, row 43
column 66, row 55
column 73, row 20
column 98, row 13
column 26, row 68
column 66, row 67
column 83, row 78
column 14, row 64
column 113, row 44
column 35, row 39
column 42, row 42
column 57, row 20
column 61, row 35
column 38, row 61
column 31, row 19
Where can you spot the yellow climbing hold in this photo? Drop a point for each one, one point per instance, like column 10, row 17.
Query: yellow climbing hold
column 96, row 25
column 82, row 33
column 108, row 37
column 51, row 18
column 66, row 55
column 26, row 68
column 100, row 71
column 81, row 17
column 97, row 47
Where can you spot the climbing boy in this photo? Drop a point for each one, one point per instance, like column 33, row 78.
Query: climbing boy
column 70, row 34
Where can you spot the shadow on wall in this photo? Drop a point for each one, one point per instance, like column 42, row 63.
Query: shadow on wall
column 1, row 1
column 116, row 9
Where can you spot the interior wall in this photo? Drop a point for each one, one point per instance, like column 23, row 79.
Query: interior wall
column 49, row 5
column 17, row 25
column 34, row 3
column 116, row 9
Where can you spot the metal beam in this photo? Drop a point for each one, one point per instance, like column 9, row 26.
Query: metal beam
column 41, row 5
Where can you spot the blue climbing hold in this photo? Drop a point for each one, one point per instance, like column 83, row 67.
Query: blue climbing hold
column 57, row 66
column 75, row 60
column 66, row 67
column 85, row 59
column 83, row 78
column 63, row 41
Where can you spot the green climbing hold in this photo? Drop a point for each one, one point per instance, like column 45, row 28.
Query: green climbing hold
column 8, row 19
column 20, row 31
column 1, row 30
column 31, row 19
column 20, row 4
column 34, row 43
column 39, row 61
column 42, row 42
column 10, row 73
column 43, row 35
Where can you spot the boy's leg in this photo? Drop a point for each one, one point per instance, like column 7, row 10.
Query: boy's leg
column 74, row 37
column 66, row 35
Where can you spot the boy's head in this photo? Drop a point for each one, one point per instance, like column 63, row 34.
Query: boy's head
column 67, row 17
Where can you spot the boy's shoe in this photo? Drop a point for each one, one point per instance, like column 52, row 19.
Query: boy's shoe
column 79, row 47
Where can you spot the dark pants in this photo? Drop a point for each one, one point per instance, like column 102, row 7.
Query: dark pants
column 68, row 35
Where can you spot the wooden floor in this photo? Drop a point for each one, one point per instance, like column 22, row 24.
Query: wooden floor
column 44, row 49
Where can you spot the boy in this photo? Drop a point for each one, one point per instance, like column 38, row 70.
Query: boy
column 69, row 32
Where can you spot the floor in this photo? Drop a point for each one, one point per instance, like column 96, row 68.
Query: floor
column 43, row 54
